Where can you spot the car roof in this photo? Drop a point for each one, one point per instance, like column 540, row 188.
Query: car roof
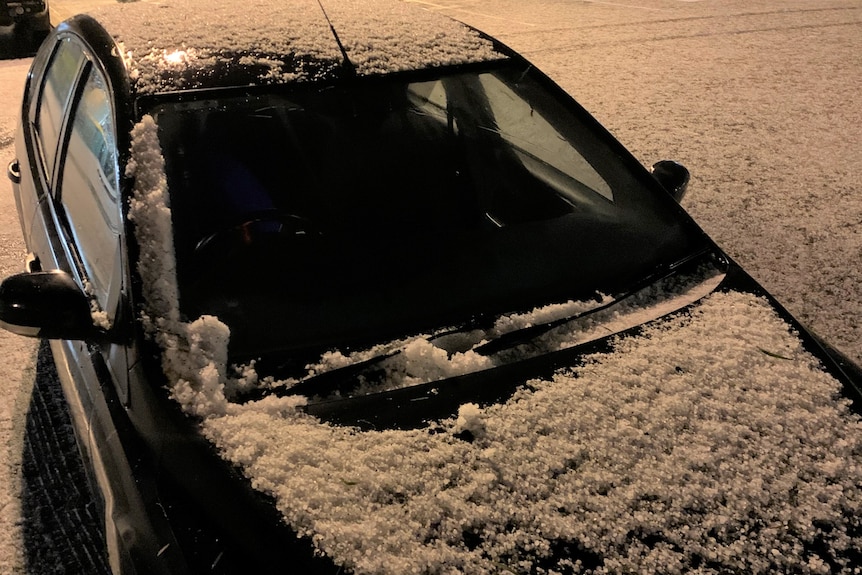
column 175, row 45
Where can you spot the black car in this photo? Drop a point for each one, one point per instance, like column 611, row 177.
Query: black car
column 267, row 246
column 30, row 18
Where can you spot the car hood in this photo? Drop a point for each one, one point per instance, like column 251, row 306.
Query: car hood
column 703, row 437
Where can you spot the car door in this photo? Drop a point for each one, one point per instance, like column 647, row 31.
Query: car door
column 77, row 227
column 87, row 203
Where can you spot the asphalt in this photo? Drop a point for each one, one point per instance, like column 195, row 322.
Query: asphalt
column 63, row 9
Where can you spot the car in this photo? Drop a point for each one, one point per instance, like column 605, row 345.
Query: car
column 30, row 18
column 351, row 286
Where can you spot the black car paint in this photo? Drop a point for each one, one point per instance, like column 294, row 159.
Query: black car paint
column 176, row 506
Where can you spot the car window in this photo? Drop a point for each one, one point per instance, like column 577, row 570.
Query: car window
column 54, row 99
column 379, row 208
column 515, row 128
column 541, row 148
column 88, row 189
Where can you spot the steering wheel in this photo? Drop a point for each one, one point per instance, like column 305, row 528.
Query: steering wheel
column 254, row 225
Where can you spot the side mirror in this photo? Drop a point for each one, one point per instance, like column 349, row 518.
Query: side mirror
column 45, row 304
column 13, row 172
column 673, row 177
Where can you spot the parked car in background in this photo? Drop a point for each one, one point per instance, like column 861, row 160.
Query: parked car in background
column 30, row 18
column 235, row 217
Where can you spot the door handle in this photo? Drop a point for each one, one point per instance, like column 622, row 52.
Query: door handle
column 13, row 171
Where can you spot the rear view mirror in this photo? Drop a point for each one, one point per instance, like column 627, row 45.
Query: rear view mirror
column 45, row 304
column 673, row 177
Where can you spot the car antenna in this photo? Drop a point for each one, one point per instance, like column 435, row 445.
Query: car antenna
column 348, row 65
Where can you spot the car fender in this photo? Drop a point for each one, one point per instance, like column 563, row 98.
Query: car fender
column 136, row 533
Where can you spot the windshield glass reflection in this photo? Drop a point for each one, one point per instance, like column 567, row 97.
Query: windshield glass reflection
column 351, row 214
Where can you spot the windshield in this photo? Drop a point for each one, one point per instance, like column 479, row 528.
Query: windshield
column 339, row 216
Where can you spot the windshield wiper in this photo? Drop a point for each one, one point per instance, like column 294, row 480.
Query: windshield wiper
column 334, row 380
column 344, row 378
column 526, row 334
column 341, row 379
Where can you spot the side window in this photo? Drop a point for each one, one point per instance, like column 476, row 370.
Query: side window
column 89, row 191
column 54, row 98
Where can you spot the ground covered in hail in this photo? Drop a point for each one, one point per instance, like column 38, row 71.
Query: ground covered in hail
column 711, row 442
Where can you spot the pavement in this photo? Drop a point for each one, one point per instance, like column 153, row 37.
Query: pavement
column 63, row 9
